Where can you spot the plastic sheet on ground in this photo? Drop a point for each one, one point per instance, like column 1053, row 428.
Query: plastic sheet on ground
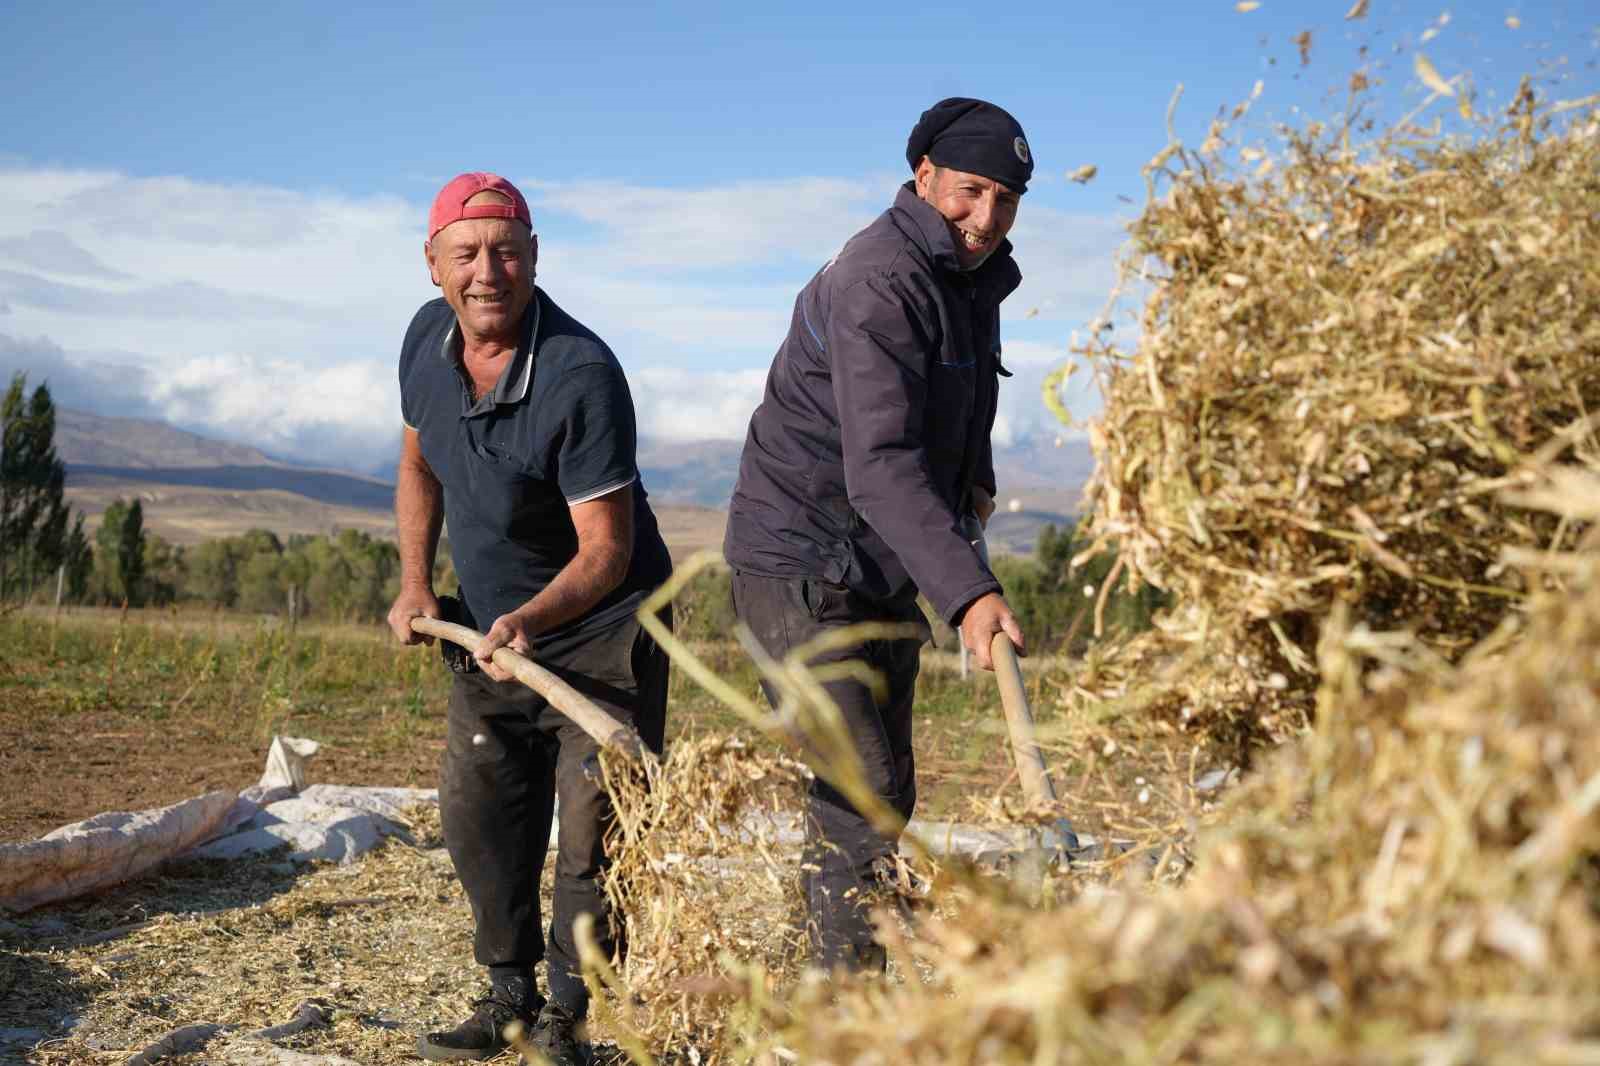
column 105, row 850
column 328, row 823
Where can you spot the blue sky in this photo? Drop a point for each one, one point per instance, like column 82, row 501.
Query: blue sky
column 213, row 213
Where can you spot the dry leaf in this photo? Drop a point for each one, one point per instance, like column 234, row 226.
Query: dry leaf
column 1358, row 10
column 1513, row 23
column 1245, row 6
column 1084, row 174
column 1430, row 77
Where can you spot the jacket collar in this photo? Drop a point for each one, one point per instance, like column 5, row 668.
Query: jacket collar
column 926, row 227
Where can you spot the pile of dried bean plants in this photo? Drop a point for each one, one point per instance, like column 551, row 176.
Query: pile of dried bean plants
column 1346, row 353
column 1416, row 881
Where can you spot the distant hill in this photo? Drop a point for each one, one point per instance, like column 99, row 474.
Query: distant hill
column 83, row 439
column 323, row 486
column 1042, row 475
column 195, row 488
column 189, row 514
column 1017, row 532
column 698, row 473
column 1041, row 463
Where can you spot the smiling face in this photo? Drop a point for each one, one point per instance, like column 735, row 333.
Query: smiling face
column 978, row 210
column 485, row 266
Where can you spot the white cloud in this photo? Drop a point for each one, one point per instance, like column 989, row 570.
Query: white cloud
column 1004, row 434
column 1068, row 264
column 1019, row 353
column 53, row 252
column 337, row 415
column 273, row 317
column 679, row 405
column 334, row 414
column 805, row 219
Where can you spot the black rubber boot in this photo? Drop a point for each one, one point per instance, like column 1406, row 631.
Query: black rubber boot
column 482, row 1035
column 555, row 1035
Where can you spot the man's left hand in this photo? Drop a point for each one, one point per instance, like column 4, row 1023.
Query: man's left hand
column 509, row 631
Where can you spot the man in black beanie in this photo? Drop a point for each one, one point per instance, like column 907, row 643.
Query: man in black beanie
column 867, row 474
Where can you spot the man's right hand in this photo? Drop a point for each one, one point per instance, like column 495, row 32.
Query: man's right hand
column 984, row 617
column 412, row 603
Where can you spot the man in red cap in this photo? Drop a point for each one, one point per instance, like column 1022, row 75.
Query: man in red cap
column 867, row 475
column 520, row 436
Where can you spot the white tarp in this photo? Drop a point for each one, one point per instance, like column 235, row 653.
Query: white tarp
column 105, row 850
column 286, row 763
column 117, row 846
column 329, row 823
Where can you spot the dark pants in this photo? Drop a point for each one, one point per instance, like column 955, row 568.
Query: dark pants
column 507, row 756
column 843, row 851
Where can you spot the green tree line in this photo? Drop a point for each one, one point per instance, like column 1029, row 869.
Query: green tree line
column 1054, row 600
column 350, row 575
column 346, row 576
column 343, row 575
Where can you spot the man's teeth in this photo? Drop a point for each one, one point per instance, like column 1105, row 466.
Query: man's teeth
column 972, row 241
column 487, row 299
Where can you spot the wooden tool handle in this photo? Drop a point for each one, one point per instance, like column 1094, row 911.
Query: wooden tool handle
column 606, row 730
column 1019, row 722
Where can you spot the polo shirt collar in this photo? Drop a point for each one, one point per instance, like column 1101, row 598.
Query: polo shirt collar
column 518, row 374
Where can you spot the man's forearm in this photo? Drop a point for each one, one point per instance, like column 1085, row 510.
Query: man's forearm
column 587, row 579
column 419, row 515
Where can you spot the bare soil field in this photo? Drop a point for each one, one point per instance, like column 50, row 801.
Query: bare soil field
column 101, row 710
column 104, row 710
column 187, row 514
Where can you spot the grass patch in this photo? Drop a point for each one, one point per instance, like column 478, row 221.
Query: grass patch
column 103, row 710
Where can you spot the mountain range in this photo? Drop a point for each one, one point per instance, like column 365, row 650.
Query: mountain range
column 194, row 487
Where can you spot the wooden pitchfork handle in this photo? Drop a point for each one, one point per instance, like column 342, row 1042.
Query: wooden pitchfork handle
column 606, row 730
column 1036, row 784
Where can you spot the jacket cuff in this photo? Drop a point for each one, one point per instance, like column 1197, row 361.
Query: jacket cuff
column 952, row 611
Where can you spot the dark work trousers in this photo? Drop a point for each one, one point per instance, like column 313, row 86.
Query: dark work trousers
column 507, row 756
column 837, row 869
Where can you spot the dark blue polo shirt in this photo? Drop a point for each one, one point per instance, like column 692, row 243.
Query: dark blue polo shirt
column 557, row 430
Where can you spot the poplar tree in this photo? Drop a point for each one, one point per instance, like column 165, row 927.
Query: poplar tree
column 78, row 556
column 119, row 554
column 33, row 512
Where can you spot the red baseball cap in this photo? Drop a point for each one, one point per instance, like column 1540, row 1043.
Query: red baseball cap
column 451, row 203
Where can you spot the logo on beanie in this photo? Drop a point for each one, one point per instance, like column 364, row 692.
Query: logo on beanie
column 1020, row 146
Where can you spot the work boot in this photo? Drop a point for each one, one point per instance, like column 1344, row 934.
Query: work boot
column 555, row 1035
column 482, row 1035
